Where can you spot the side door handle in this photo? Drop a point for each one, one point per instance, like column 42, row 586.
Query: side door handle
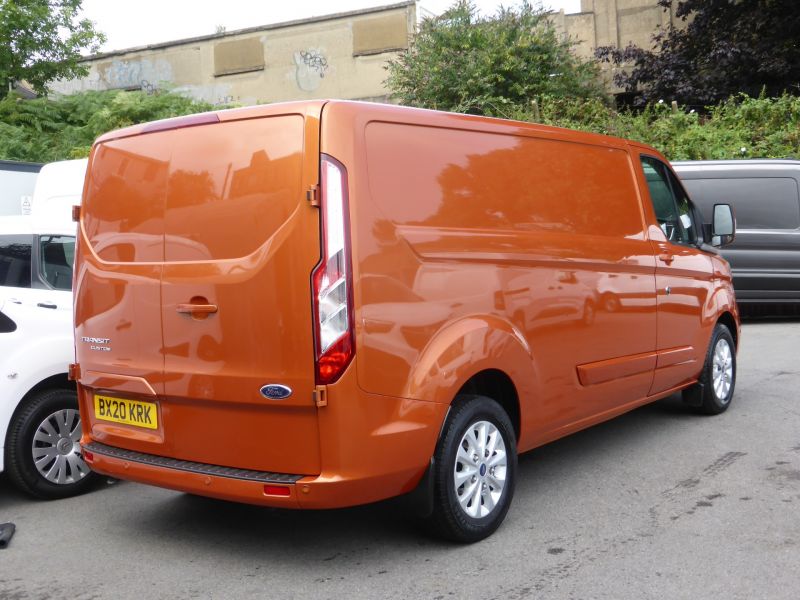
column 46, row 305
column 667, row 258
column 198, row 308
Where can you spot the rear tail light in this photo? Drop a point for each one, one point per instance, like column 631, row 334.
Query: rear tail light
column 332, row 279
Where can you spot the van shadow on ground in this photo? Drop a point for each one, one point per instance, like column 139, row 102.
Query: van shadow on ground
column 269, row 533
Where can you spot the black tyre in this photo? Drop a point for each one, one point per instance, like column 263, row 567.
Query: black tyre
column 43, row 454
column 475, row 468
column 718, row 378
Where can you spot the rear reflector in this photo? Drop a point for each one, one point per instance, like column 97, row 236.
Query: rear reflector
column 88, row 456
column 276, row 490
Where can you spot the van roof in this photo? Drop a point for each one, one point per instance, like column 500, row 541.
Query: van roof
column 739, row 162
column 378, row 109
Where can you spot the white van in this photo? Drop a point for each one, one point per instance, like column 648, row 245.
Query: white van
column 39, row 421
column 17, row 180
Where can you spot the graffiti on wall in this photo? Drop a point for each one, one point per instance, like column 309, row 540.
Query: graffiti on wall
column 127, row 74
column 311, row 67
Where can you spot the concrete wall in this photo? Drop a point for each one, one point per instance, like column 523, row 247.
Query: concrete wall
column 336, row 56
column 613, row 23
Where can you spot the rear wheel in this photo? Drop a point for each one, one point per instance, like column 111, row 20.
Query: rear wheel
column 718, row 378
column 43, row 453
column 474, row 470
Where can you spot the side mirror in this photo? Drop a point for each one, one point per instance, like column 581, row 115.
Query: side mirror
column 723, row 227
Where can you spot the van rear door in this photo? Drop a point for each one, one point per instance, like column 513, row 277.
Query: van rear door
column 238, row 243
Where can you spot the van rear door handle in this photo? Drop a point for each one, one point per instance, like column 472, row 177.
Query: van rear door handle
column 46, row 305
column 667, row 258
column 197, row 309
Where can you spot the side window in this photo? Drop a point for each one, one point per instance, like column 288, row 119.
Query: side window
column 15, row 261
column 670, row 203
column 56, row 254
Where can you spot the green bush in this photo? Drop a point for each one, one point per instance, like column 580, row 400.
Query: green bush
column 740, row 127
column 462, row 62
column 47, row 129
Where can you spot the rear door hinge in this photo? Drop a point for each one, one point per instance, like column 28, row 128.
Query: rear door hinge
column 321, row 396
column 74, row 372
column 312, row 195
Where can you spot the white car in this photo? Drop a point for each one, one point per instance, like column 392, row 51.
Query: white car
column 39, row 420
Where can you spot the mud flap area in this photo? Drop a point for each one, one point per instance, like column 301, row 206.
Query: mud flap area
column 419, row 502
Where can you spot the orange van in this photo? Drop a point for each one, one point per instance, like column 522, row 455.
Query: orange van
column 322, row 304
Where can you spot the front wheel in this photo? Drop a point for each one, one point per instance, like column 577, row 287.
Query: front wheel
column 475, row 470
column 43, row 453
column 718, row 378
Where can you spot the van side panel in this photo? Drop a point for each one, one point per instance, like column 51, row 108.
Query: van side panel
column 453, row 224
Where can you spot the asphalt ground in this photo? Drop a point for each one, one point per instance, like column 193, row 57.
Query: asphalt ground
column 658, row 503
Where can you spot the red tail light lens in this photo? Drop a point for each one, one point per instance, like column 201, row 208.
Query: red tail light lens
column 332, row 280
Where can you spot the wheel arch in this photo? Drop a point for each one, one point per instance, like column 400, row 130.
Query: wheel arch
column 497, row 385
column 479, row 354
column 727, row 319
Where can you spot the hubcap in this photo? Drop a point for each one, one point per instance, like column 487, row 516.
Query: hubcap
column 479, row 475
column 56, row 451
column 722, row 370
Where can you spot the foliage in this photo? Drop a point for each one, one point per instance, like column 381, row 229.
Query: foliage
column 41, row 40
column 724, row 47
column 739, row 127
column 44, row 129
column 464, row 63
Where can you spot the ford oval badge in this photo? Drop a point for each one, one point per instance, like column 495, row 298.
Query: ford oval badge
column 276, row 391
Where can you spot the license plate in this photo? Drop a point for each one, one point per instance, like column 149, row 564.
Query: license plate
column 129, row 412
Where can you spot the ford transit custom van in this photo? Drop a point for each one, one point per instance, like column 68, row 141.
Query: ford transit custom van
column 322, row 304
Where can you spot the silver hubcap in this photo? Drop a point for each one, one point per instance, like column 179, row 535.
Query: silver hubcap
column 722, row 366
column 56, row 448
column 479, row 475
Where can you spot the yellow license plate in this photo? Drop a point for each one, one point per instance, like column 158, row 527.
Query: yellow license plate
column 129, row 412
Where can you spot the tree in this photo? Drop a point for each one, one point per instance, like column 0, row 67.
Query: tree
column 724, row 47
column 41, row 40
column 464, row 63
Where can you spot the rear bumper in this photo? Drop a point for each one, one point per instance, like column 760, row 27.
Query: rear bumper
column 250, row 487
column 371, row 447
